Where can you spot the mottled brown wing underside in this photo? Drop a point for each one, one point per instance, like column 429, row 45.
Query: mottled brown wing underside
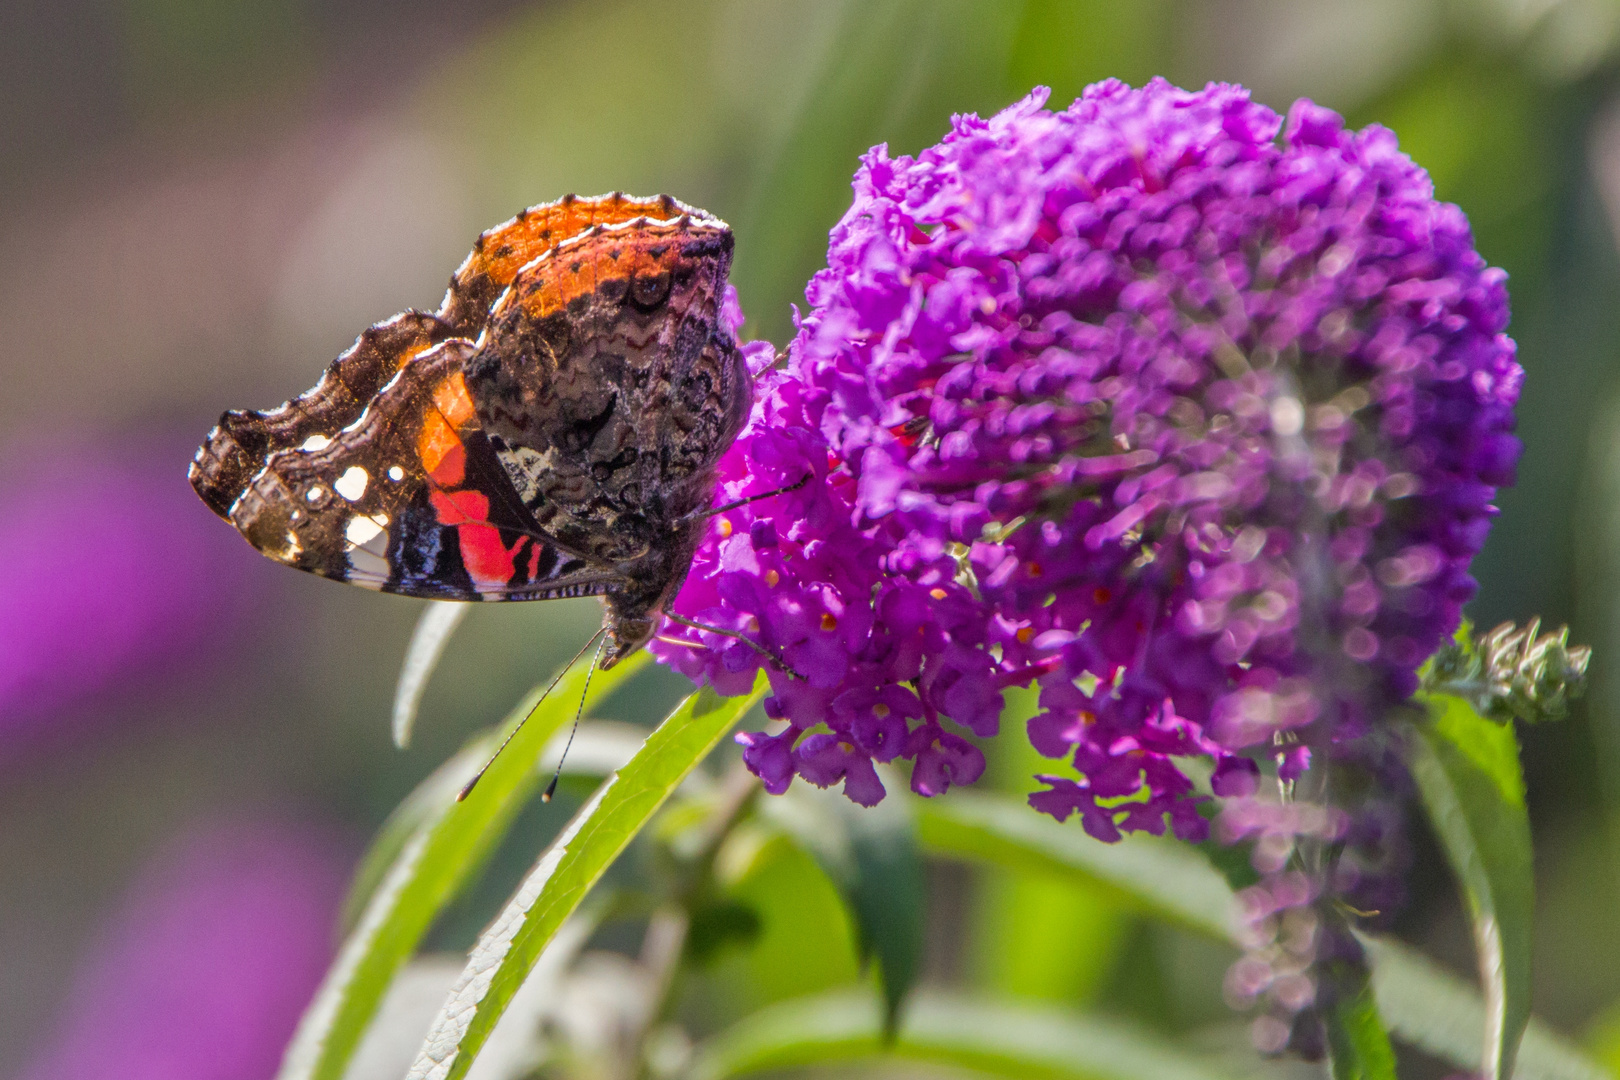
column 608, row 385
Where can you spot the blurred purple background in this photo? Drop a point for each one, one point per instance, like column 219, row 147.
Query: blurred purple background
column 206, row 963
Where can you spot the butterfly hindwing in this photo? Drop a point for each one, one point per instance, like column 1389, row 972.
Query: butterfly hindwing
column 410, row 499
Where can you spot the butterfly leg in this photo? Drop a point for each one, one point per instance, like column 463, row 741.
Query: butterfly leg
column 775, row 661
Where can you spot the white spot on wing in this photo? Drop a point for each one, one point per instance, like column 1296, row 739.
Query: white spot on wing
column 360, row 529
column 316, row 442
column 352, row 484
column 368, row 567
column 396, row 474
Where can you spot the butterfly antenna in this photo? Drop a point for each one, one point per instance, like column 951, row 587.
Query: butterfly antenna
column 551, row 788
column 507, row 741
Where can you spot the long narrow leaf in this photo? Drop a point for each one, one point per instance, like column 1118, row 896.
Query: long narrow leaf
column 1438, row 1012
column 1172, row 882
column 423, row 806
column 447, row 848
column 1167, row 880
column 871, row 854
column 1358, row 1045
column 1024, row 1042
column 439, row 620
column 889, row 898
column 598, row 748
column 1467, row 772
column 598, row 833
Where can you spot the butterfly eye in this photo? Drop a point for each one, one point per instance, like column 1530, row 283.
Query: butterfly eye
column 649, row 292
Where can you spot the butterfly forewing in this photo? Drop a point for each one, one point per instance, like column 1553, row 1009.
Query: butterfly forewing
column 238, row 447
column 408, row 499
column 503, row 251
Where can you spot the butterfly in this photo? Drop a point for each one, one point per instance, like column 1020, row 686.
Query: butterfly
column 552, row 430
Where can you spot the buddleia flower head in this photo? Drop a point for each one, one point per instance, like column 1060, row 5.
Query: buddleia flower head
column 1189, row 413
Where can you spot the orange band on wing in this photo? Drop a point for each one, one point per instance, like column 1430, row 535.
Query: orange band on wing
column 411, row 352
column 439, row 444
column 454, row 402
column 505, row 249
column 580, row 268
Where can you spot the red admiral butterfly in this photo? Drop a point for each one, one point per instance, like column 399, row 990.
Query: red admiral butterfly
column 550, row 431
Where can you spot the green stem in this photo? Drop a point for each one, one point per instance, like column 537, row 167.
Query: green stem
column 665, row 940
column 1358, row 1046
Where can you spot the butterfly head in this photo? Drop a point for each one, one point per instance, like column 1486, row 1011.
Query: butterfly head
column 625, row 635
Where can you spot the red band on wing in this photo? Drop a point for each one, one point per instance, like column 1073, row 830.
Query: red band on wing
column 485, row 555
column 487, row 560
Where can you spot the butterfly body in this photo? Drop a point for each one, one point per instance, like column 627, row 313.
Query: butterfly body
column 552, row 430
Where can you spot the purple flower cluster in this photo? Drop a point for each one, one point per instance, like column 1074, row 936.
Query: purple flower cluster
column 876, row 641
column 1190, row 415
column 1187, row 413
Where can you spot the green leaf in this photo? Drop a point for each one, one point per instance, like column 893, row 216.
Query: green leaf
column 424, row 805
column 1438, row 1012
column 432, row 864
column 1165, row 879
column 1028, row 1043
column 807, row 941
column 599, row 747
column 587, row 846
column 439, row 620
column 1467, row 772
column 888, row 897
column 1357, row 1043
column 1171, row 881
column 871, row 854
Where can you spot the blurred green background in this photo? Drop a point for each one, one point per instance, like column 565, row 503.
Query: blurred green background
column 203, row 201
